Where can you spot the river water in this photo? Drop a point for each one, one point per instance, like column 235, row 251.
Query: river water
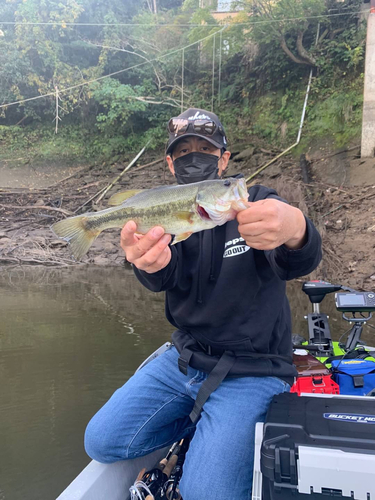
column 68, row 339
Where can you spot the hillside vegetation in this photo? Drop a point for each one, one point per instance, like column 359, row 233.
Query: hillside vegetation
column 254, row 73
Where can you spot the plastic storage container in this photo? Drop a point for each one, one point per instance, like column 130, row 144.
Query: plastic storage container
column 313, row 376
column 318, row 446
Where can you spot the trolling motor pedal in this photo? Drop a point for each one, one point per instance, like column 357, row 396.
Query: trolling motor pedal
column 317, row 290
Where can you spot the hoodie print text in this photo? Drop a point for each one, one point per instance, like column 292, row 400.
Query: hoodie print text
column 235, row 247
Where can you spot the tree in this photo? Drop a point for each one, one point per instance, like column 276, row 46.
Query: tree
column 275, row 25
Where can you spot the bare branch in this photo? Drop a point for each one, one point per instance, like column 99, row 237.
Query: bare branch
column 146, row 43
column 266, row 11
column 290, row 54
column 322, row 36
column 159, row 79
column 150, row 100
column 302, row 51
column 117, row 49
column 37, row 207
column 335, row 32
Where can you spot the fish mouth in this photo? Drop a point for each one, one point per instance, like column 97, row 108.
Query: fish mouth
column 225, row 207
column 203, row 214
column 219, row 216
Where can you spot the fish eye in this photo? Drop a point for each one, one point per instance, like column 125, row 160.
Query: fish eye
column 227, row 183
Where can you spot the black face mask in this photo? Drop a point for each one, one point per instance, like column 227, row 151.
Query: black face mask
column 196, row 167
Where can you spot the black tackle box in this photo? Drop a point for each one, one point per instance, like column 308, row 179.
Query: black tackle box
column 318, row 446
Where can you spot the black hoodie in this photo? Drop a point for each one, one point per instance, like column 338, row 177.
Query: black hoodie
column 229, row 296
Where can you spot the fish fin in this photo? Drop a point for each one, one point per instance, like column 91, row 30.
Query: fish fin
column 181, row 237
column 74, row 231
column 185, row 216
column 119, row 198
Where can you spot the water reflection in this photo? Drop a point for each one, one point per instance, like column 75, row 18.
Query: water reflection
column 68, row 339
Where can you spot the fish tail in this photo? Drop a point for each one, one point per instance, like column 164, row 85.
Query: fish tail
column 75, row 232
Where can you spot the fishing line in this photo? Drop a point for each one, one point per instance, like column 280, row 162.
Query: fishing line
column 220, row 61
column 182, row 80
column 136, row 493
column 193, row 25
column 213, row 74
column 336, row 369
column 342, row 336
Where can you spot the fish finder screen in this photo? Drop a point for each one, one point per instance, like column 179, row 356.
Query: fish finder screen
column 351, row 299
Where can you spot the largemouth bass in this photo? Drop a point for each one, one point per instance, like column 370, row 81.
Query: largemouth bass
column 181, row 210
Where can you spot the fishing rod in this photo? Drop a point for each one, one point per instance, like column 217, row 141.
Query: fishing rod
column 172, row 491
column 152, row 482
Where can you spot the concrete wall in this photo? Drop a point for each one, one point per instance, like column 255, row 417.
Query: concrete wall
column 368, row 123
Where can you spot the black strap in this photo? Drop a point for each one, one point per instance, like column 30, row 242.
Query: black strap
column 185, row 356
column 214, row 351
column 184, row 360
column 212, row 382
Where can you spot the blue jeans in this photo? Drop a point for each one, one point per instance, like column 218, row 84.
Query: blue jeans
column 152, row 411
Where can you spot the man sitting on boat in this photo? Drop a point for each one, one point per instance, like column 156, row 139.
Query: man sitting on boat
column 232, row 348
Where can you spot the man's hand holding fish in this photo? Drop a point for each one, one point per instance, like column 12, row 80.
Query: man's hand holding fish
column 268, row 224
column 149, row 252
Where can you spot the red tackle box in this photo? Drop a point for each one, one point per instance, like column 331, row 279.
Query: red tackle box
column 313, row 376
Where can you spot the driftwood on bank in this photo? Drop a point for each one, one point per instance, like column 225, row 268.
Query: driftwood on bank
column 111, row 184
column 102, row 192
column 37, row 207
column 149, row 164
column 29, row 261
column 67, row 177
column 349, row 203
column 335, row 154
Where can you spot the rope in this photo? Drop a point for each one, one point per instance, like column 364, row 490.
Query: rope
column 213, row 73
column 57, row 118
column 112, row 74
column 220, row 59
column 182, row 80
column 129, row 25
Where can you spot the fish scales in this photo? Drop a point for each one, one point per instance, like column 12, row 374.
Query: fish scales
column 121, row 215
column 180, row 210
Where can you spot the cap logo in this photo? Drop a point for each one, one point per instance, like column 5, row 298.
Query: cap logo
column 198, row 116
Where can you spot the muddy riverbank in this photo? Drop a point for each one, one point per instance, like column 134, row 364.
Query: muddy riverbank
column 339, row 197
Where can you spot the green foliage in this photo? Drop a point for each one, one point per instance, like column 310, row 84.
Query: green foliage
column 190, row 6
column 41, row 143
column 339, row 114
column 264, row 71
column 119, row 103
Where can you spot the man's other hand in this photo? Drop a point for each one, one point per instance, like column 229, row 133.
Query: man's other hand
column 149, row 252
column 269, row 223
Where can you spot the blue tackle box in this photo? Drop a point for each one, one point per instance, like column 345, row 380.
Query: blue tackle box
column 354, row 376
